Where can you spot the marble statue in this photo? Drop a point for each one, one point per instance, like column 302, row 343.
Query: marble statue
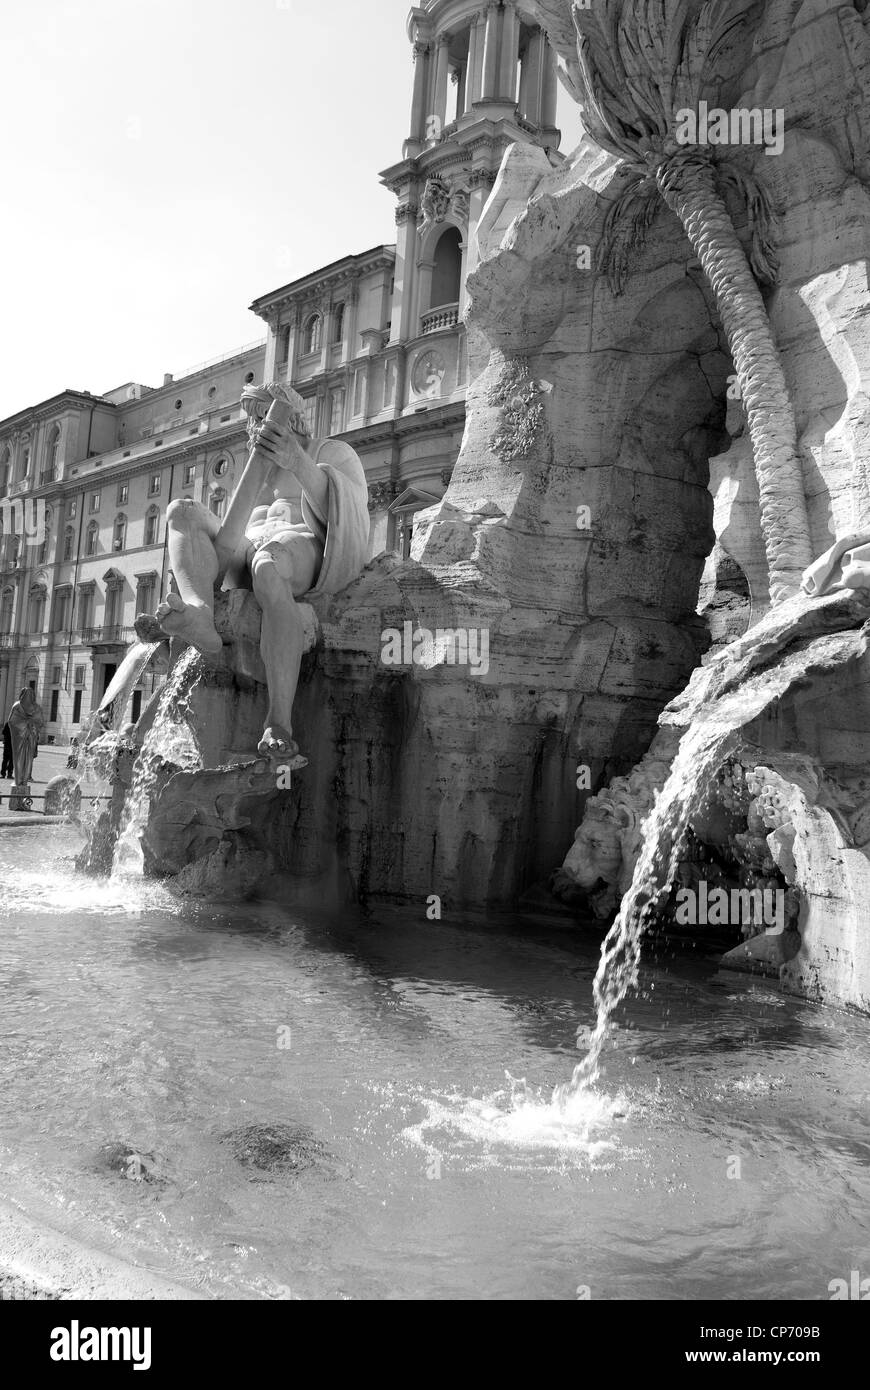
column 846, row 565
column 261, row 544
column 26, row 722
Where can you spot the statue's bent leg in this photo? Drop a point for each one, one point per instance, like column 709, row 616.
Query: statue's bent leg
column 281, row 571
column 189, row 614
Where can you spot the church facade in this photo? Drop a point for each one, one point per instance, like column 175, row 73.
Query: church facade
column 375, row 343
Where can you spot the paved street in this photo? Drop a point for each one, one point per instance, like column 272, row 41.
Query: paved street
column 50, row 762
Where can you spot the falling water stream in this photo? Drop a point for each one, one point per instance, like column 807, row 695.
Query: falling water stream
column 169, row 740
column 737, row 698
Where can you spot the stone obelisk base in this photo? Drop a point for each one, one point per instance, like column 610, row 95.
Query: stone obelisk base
column 19, row 797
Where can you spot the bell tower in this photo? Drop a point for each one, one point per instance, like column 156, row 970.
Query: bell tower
column 484, row 78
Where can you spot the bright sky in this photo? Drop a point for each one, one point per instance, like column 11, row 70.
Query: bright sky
column 166, row 162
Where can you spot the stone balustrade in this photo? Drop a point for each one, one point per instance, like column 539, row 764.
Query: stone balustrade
column 445, row 316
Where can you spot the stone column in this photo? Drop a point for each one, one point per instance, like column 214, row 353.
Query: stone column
column 442, row 73
column 472, row 76
column 321, row 418
column 292, row 345
column 325, row 311
column 510, row 43
column 271, row 350
column 406, row 234
column 531, row 102
column 550, row 89
column 460, row 76
column 421, row 84
column 480, row 184
column 480, row 27
column 36, row 457
column 351, row 307
column 525, row 82
column 490, row 51
column 14, row 458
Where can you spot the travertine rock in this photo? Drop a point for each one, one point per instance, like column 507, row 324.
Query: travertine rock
column 796, row 691
column 579, row 517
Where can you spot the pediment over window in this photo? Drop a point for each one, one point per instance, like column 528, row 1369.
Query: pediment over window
column 413, row 499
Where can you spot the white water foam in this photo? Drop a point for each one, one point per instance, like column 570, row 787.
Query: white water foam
column 522, row 1117
column 169, row 740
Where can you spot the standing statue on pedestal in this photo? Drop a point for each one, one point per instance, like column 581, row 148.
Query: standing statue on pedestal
column 26, row 722
column 258, row 544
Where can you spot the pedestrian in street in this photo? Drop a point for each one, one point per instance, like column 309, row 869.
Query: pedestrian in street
column 6, row 769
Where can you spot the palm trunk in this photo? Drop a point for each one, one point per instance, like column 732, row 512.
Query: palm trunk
column 688, row 188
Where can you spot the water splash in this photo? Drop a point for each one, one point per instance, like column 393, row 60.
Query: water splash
column 169, row 740
column 523, row 1118
column 747, row 678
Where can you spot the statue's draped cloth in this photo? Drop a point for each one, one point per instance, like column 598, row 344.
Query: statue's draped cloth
column 345, row 539
column 25, row 730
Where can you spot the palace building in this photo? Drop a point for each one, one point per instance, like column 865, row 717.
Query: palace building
column 375, row 344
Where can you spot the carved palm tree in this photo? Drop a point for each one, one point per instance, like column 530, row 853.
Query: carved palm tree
column 642, row 62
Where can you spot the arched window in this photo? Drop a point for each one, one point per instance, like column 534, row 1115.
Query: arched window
column 42, row 550
column 152, row 525
column 92, row 538
column 4, row 470
column 312, row 335
column 447, row 270
column 69, row 540
column 14, row 550
column 119, row 533
column 36, row 612
column 51, row 451
column 338, row 324
column 7, row 609
column 23, row 464
column 218, row 500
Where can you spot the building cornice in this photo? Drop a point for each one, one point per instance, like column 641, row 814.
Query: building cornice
column 44, row 409
column 348, row 269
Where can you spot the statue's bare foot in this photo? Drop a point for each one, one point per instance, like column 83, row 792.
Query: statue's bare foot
column 189, row 623
column 277, row 742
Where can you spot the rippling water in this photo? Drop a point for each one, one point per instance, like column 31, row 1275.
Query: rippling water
column 261, row 1103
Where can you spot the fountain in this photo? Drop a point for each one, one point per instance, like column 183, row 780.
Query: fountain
column 613, row 393
column 228, row 1061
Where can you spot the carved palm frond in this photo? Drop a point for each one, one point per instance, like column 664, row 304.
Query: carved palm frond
column 625, row 230
column 762, row 220
column 642, row 61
